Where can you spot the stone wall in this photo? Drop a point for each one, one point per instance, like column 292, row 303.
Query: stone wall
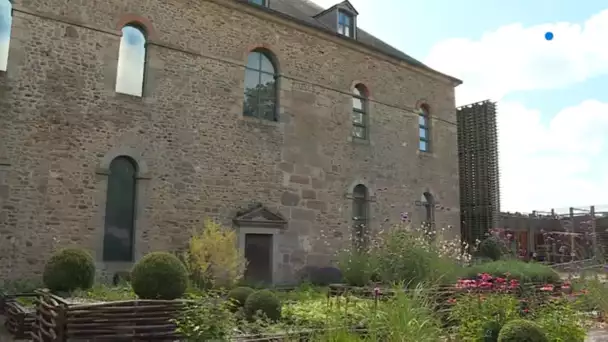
column 198, row 156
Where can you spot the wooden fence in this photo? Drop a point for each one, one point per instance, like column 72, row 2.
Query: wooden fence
column 144, row 320
column 19, row 318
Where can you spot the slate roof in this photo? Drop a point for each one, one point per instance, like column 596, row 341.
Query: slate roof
column 304, row 11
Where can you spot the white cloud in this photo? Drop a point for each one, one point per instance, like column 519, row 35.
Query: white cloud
column 544, row 164
column 515, row 58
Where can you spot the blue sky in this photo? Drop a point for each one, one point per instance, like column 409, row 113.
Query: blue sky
column 552, row 95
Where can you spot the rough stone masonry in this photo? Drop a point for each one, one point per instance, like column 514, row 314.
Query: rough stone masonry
column 197, row 156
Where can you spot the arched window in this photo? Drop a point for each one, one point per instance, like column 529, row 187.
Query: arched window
column 6, row 20
column 360, row 216
column 424, row 128
column 131, row 61
column 260, row 86
column 119, row 225
column 429, row 210
column 360, row 118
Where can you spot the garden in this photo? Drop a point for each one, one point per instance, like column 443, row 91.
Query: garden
column 401, row 285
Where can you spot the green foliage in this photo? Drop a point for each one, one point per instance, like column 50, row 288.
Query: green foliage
column 491, row 330
column 474, row 313
column 321, row 312
column 525, row 272
column 561, row 321
column 263, row 302
column 69, row 269
column 159, row 275
column 406, row 256
column 238, row 296
column 520, row 330
column 106, row 293
column 357, row 267
column 406, row 317
column 490, row 248
column 210, row 319
column 213, row 258
column 20, row 286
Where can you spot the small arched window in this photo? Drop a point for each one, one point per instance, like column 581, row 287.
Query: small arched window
column 429, row 210
column 6, row 20
column 424, row 128
column 260, row 86
column 131, row 61
column 119, row 227
column 360, row 216
column 360, row 119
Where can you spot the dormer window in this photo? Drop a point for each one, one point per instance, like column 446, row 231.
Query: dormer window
column 263, row 3
column 346, row 25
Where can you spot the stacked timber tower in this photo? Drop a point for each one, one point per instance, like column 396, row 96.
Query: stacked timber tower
column 479, row 171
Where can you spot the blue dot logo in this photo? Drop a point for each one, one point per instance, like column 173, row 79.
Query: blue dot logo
column 549, row 36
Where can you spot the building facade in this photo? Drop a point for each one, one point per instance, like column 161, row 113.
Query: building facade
column 126, row 123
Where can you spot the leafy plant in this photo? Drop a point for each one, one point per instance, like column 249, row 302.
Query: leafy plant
column 490, row 248
column 520, row 330
column 408, row 316
column 107, row 293
column 208, row 320
column 473, row 313
column 213, row 258
column 159, row 275
column 525, row 272
column 238, row 296
column 69, row 269
column 263, row 302
column 357, row 266
column 560, row 321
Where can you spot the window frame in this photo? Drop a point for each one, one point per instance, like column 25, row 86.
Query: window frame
column 10, row 34
column 260, row 72
column 263, row 4
column 424, row 114
column 133, row 215
column 141, row 28
column 360, row 225
column 351, row 28
column 360, row 93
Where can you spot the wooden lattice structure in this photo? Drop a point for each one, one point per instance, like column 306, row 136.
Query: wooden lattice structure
column 479, row 171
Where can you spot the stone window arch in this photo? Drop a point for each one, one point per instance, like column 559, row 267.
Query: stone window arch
column 6, row 20
column 120, row 211
column 132, row 55
column 360, row 117
column 261, row 85
column 360, row 214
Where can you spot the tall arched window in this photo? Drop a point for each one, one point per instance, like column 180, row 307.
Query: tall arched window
column 119, row 225
column 131, row 61
column 260, row 86
column 360, row 118
column 429, row 210
column 360, row 216
column 424, row 128
column 6, row 20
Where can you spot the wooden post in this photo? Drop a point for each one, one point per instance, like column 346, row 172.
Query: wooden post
column 572, row 246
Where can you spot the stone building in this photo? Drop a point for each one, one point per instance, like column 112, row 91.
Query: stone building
column 126, row 123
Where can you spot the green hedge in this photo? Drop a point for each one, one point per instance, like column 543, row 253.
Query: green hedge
column 525, row 272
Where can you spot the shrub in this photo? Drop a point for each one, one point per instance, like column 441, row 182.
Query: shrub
column 213, row 258
column 473, row 314
column 69, row 269
column 525, row 272
column 325, row 276
column 121, row 277
column 412, row 258
column 490, row 248
column 264, row 302
column 357, row 267
column 209, row 319
column 561, row 322
column 159, row 275
column 238, row 296
column 491, row 330
column 520, row 330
